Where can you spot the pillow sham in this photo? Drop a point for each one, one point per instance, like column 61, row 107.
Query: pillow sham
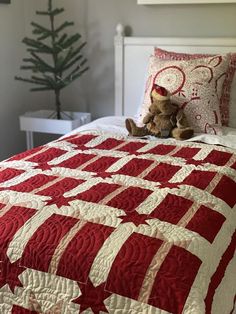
column 226, row 90
column 195, row 85
column 232, row 101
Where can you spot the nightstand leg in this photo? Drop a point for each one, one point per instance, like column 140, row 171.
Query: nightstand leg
column 29, row 140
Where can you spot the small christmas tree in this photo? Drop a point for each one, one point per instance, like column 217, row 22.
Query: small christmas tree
column 66, row 63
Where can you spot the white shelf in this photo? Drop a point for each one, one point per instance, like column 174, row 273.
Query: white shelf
column 40, row 121
column 147, row 2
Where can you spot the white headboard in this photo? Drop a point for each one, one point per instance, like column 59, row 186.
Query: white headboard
column 131, row 60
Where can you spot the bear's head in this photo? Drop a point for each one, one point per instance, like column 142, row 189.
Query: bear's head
column 160, row 101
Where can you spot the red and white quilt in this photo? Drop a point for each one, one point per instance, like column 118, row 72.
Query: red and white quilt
column 95, row 223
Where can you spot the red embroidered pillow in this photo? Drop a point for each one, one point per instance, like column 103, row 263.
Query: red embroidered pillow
column 195, row 85
column 226, row 90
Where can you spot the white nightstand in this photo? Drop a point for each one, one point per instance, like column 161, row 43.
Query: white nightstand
column 40, row 121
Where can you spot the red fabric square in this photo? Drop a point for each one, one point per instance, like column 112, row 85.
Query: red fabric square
column 20, row 310
column 101, row 164
column 225, row 190
column 80, row 253
column 187, row 152
column 132, row 147
column 174, row 280
column 172, row 209
column 110, row 143
column 220, row 273
column 76, row 161
column 47, row 155
column 218, row 158
column 60, row 187
column 129, row 199
column 26, row 153
column 96, row 193
column 134, row 167
column 32, row 183
column 206, row 222
column 162, row 173
column 11, row 222
column 130, row 266
column 199, row 179
column 40, row 248
column 161, row 149
column 80, row 140
column 9, row 173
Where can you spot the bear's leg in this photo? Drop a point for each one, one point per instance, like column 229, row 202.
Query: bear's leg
column 134, row 130
column 182, row 134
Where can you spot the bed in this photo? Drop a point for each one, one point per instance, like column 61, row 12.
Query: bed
column 101, row 222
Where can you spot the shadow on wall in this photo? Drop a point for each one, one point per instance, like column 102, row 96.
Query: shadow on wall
column 128, row 31
column 99, row 82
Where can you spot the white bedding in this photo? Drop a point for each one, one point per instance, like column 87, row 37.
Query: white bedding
column 116, row 125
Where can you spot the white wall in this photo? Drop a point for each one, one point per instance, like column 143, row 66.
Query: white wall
column 96, row 20
column 15, row 97
column 73, row 97
column 11, row 32
column 155, row 20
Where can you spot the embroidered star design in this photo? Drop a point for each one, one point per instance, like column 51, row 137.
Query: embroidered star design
column 60, row 201
column 169, row 185
column 9, row 273
column 92, row 297
column 43, row 166
column 103, row 175
column 194, row 162
column 138, row 154
column 81, row 147
column 136, row 218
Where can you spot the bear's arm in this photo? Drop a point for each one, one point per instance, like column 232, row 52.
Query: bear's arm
column 147, row 118
column 182, row 121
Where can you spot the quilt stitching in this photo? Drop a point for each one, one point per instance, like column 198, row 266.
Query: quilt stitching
column 114, row 200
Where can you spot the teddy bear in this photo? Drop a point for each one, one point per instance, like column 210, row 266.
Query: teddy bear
column 163, row 120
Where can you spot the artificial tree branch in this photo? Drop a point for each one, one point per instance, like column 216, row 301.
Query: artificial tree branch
column 53, row 12
column 65, row 51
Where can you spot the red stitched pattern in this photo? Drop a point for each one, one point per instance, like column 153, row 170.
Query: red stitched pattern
column 195, row 85
column 225, row 96
column 137, row 227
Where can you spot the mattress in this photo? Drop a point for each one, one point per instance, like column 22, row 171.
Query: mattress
column 116, row 125
column 99, row 222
